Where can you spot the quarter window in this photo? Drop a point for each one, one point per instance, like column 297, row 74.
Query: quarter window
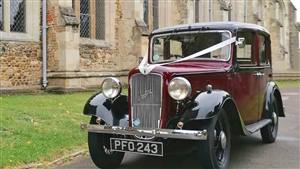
column 263, row 59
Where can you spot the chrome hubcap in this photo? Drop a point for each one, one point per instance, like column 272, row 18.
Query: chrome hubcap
column 223, row 139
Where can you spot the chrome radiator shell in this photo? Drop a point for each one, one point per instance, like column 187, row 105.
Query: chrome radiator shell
column 146, row 100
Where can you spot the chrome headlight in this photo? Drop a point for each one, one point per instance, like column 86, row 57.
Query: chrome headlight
column 179, row 88
column 111, row 87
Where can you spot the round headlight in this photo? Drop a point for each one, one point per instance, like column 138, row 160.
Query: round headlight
column 111, row 87
column 179, row 88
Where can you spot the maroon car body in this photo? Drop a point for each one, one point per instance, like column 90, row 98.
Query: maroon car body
column 234, row 95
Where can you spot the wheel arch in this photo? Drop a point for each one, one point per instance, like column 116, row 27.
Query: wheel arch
column 278, row 98
column 208, row 105
column 273, row 92
column 234, row 118
column 111, row 111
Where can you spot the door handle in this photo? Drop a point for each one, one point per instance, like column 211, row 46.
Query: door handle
column 258, row 74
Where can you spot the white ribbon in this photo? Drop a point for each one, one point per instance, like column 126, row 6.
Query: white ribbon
column 145, row 68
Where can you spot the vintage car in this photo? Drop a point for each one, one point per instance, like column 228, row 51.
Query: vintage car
column 198, row 85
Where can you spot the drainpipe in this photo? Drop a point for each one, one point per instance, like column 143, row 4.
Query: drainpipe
column 44, row 44
column 245, row 10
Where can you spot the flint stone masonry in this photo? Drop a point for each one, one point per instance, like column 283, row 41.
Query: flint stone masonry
column 96, row 59
column 20, row 64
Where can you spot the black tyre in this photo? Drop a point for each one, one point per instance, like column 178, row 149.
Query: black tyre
column 100, row 150
column 214, row 153
column 269, row 132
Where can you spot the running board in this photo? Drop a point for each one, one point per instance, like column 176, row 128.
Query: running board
column 252, row 128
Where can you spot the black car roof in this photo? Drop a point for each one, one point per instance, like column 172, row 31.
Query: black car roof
column 231, row 26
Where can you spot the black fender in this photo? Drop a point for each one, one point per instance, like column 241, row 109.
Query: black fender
column 206, row 105
column 272, row 92
column 112, row 111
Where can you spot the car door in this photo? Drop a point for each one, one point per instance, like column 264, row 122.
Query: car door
column 265, row 71
column 246, row 81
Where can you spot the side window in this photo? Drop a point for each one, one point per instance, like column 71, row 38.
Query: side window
column 263, row 57
column 245, row 56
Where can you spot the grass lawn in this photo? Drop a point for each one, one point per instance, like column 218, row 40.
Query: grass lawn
column 288, row 83
column 40, row 127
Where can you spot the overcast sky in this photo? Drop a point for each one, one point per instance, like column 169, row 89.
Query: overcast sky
column 297, row 5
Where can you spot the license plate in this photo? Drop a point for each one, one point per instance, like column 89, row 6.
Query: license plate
column 137, row 146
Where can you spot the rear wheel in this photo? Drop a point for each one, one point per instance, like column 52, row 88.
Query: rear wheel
column 214, row 152
column 269, row 132
column 99, row 147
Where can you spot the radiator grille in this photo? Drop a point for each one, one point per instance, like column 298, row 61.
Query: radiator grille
column 146, row 92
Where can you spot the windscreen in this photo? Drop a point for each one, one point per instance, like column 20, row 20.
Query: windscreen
column 171, row 47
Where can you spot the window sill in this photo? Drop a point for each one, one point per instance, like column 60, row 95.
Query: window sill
column 15, row 36
column 95, row 42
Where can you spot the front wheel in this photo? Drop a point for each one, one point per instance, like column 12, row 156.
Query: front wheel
column 214, row 152
column 99, row 147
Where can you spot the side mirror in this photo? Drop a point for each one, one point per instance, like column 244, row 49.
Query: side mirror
column 241, row 42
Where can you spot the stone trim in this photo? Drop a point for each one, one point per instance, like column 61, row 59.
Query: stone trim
column 21, row 89
column 95, row 42
column 33, row 10
column 86, row 74
column 68, row 81
column 69, row 16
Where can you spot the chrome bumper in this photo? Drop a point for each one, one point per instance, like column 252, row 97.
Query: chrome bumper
column 162, row 133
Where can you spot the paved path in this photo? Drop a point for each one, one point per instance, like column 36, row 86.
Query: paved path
column 247, row 153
